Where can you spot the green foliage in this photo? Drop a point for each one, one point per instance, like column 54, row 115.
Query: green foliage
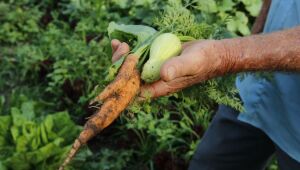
column 231, row 10
column 252, row 6
column 273, row 165
column 28, row 140
column 239, row 23
column 18, row 23
column 162, row 125
column 111, row 159
column 181, row 21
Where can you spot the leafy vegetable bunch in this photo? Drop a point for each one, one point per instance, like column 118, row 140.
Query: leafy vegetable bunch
column 28, row 142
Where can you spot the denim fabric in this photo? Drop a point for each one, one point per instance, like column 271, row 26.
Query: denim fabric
column 230, row 144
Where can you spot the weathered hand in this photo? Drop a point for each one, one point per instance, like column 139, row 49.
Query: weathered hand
column 202, row 60
column 199, row 61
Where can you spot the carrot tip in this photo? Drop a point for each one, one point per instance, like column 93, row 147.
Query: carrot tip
column 71, row 154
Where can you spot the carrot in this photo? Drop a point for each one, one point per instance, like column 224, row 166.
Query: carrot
column 120, row 81
column 114, row 104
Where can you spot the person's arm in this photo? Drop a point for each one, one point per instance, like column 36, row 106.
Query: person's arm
column 206, row 59
column 203, row 60
column 278, row 51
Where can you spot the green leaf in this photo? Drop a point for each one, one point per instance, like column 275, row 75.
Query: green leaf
column 64, row 126
column 244, row 29
column 14, row 133
column 253, row 6
column 226, row 5
column 2, row 167
column 122, row 3
column 128, row 33
column 143, row 2
column 239, row 23
column 21, row 144
column 209, row 6
column 36, row 139
column 17, row 161
column 2, row 101
column 5, row 122
column 48, row 123
column 27, row 109
column 43, row 134
column 17, row 118
column 45, row 151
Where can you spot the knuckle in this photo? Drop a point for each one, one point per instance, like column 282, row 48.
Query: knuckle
column 172, row 86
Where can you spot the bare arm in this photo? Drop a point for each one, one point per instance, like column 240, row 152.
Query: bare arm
column 278, row 51
column 203, row 60
column 206, row 59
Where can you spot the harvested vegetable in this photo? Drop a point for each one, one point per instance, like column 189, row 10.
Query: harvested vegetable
column 113, row 105
column 165, row 46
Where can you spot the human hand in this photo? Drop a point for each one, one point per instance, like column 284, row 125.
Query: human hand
column 199, row 61
column 206, row 59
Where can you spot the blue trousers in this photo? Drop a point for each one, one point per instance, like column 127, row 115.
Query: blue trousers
column 230, row 144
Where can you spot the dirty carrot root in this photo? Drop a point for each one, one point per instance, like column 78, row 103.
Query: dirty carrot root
column 108, row 112
column 120, row 81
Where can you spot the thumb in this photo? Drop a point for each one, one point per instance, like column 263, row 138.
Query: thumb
column 179, row 66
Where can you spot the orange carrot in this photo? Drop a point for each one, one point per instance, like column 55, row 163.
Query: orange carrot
column 120, row 81
column 110, row 110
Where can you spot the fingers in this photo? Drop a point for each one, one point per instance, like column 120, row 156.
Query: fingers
column 180, row 66
column 115, row 44
column 163, row 88
column 157, row 89
column 119, row 49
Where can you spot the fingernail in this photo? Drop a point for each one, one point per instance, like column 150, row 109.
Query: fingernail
column 171, row 72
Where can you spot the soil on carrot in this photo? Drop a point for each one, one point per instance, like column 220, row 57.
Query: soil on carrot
column 115, row 97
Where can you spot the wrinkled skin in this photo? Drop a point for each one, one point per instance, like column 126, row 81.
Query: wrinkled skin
column 206, row 59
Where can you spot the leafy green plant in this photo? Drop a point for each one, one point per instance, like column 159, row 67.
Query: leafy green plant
column 237, row 12
column 111, row 159
column 29, row 141
column 17, row 23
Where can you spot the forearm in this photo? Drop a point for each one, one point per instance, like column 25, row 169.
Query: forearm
column 278, row 51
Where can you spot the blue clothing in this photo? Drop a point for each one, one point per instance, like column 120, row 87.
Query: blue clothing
column 230, row 144
column 274, row 106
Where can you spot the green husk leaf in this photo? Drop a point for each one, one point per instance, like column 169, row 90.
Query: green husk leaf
column 144, row 36
column 130, row 33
